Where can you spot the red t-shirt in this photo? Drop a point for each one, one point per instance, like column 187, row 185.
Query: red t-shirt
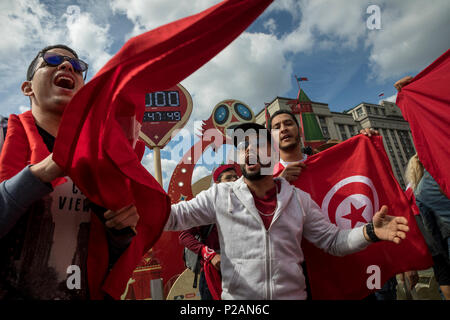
column 267, row 204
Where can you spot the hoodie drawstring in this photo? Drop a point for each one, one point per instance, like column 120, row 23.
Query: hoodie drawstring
column 230, row 203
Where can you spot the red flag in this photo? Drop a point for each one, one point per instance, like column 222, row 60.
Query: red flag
column 355, row 181
column 213, row 280
column 425, row 104
column 100, row 124
column 409, row 193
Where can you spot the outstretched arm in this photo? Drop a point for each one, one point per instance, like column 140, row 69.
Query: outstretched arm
column 339, row 242
column 195, row 212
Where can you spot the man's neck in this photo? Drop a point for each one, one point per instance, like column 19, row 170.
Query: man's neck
column 292, row 155
column 260, row 187
column 47, row 121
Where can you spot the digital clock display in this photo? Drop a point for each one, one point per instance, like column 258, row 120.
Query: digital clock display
column 162, row 99
column 165, row 111
column 157, row 116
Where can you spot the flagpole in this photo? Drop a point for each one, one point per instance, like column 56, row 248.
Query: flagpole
column 302, row 134
column 157, row 164
column 298, row 83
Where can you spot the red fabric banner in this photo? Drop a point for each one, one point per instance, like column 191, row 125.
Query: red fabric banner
column 350, row 182
column 213, row 279
column 95, row 139
column 425, row 104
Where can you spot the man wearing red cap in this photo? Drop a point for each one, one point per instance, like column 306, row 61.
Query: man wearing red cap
column 204, row 240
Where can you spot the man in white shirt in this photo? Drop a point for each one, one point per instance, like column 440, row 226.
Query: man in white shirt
column 261, row 222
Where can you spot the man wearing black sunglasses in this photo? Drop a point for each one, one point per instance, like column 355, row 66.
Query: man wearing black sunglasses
column 46, row 223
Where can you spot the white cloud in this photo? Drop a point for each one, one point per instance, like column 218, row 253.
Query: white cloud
column 148, row 15
column 167, row 167
column 270, row 25
column 252, row 69
column 199, row 173
column 89, row 39
column 321, row 22
column 23, row 24
column 413, row 35
column 392, row 98
column 26, row 26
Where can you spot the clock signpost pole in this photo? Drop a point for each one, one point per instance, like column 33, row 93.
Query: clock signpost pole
column 157, row 163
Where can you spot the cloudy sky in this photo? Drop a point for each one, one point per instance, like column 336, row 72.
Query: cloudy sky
column 327, row 41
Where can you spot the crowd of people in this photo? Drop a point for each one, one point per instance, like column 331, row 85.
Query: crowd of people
column 249, row 228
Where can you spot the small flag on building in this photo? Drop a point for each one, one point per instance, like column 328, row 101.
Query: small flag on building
column 301, row 79
column 381, row 94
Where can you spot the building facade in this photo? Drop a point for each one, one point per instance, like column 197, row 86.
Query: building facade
column 385, row 117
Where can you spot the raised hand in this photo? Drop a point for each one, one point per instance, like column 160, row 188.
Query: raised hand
column 402, row 82
column 369, row 132
column 125, row 217
column 292, row 171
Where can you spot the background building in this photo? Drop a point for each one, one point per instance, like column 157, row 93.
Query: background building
column 385, row 117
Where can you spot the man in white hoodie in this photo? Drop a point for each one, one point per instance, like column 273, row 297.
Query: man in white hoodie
column 261, row 221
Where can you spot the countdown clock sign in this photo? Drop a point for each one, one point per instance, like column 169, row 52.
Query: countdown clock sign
column 165, row 111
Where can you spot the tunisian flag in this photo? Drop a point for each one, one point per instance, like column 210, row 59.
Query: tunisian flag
column 425, row 104
column 100, row 125
column 350, row 182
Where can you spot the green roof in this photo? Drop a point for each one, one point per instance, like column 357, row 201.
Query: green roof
column 303, row 97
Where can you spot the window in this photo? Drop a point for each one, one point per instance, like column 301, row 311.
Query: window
column 325, row 132
column 359, row 112
column 368, row 110
column 383, row 112
column 342, row 131
column 322, row 121
column 406, row 143
column 375, row 110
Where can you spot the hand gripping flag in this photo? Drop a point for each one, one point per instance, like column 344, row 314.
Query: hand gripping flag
column 350, row 182
column 425, row 104
column 101, row 124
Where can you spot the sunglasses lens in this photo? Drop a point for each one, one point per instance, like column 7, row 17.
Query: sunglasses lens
column 53, row 59
column 76, row 65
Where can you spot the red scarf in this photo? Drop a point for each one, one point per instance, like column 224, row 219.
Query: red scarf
column 23, row 146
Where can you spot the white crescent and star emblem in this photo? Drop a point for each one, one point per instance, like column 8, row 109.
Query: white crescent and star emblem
column 351, row 202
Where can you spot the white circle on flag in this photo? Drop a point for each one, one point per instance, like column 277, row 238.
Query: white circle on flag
column 357, row 207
